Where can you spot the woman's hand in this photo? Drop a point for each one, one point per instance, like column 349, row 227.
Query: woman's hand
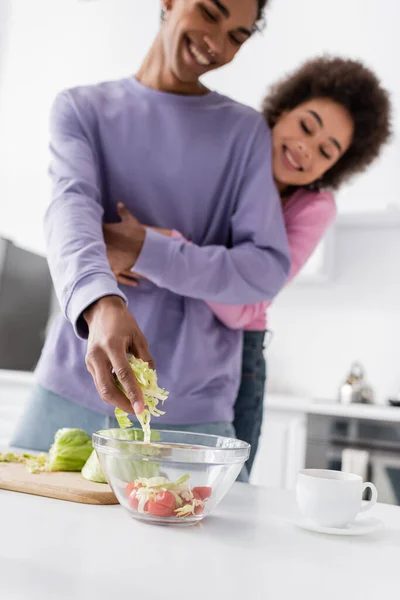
column 130, row 277
column 123, row 241
column 167, row 232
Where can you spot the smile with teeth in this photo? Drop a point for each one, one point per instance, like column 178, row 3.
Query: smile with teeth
column 198, row 56
column 291, row 159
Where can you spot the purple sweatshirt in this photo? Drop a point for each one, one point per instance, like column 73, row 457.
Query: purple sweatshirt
column 198, row 164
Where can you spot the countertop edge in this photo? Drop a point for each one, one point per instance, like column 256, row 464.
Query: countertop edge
column 301, row 404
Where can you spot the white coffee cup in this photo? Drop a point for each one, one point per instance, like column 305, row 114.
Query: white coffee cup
column 332, row 498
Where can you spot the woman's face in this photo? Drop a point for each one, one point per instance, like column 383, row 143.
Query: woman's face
column 309, row 140
column 200, row 36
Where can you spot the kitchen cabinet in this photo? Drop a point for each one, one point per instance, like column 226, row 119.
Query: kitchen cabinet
column 320, row 267
column 374, row 219
column 281, row 451
column 283, row 443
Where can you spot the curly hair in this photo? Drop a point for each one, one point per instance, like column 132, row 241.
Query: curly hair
column 356, row 88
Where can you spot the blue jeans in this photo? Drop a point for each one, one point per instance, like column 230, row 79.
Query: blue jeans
column 249, row 403
column 47, row 412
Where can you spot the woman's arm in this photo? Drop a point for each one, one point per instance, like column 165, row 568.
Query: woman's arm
column 231, row 315
column 304, row 231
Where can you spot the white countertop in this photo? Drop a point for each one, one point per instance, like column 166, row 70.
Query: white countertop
column 54, row 550
column 375, row 412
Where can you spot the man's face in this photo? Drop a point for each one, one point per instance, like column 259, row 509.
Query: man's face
column 200, row 36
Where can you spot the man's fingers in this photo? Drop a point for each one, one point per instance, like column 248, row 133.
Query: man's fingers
column 128, row 380
column 100, row 369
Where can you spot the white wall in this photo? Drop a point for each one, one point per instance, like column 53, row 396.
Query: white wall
column 301, row 29
column 5, row 11
column 320, row 330
column 53, row 44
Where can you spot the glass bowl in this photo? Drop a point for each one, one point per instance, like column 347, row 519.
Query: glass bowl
column 178, row 478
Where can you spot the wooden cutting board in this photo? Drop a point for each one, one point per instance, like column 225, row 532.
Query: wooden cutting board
column 63, row 486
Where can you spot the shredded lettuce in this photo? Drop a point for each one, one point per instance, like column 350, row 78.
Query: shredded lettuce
column 69, row 452
column 185, row 511
column 34, row 462
column 189, row 509
column 10, row 457
column 162, row 483
column 148, row 488
column 186, row 502
column 122, row 418
column 152, row 394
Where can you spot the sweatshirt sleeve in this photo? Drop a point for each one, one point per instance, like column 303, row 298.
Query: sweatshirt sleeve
column 234, row 316
column 253, row 269
column 305, row 230
column 73, row 222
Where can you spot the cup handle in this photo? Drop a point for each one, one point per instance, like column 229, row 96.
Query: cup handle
column 370, row 503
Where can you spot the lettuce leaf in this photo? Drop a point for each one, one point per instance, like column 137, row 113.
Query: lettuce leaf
column 92, row 469
column 124, row 468
column 70, row 450
column 122, row 418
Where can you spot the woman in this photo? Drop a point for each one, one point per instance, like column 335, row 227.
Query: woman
column 152, row 142
column 308, row 113
column 329, row 120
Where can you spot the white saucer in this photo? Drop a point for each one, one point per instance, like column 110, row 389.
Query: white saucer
column 360, row 526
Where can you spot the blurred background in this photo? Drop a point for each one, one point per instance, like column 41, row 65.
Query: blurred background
column 342, row 309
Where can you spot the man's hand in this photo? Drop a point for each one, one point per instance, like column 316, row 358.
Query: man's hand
column 114, row 333
column 124, row 241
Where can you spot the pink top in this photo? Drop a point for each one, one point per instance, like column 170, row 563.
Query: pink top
column 307, row 216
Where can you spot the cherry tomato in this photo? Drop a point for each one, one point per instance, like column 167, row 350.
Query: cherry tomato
column 129, row 488
column 132, row 486
column 202, row 492
column 163, row 505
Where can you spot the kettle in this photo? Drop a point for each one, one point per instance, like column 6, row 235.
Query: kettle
column 354, row 389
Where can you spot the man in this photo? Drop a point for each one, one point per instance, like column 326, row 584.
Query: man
column 176, row 155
